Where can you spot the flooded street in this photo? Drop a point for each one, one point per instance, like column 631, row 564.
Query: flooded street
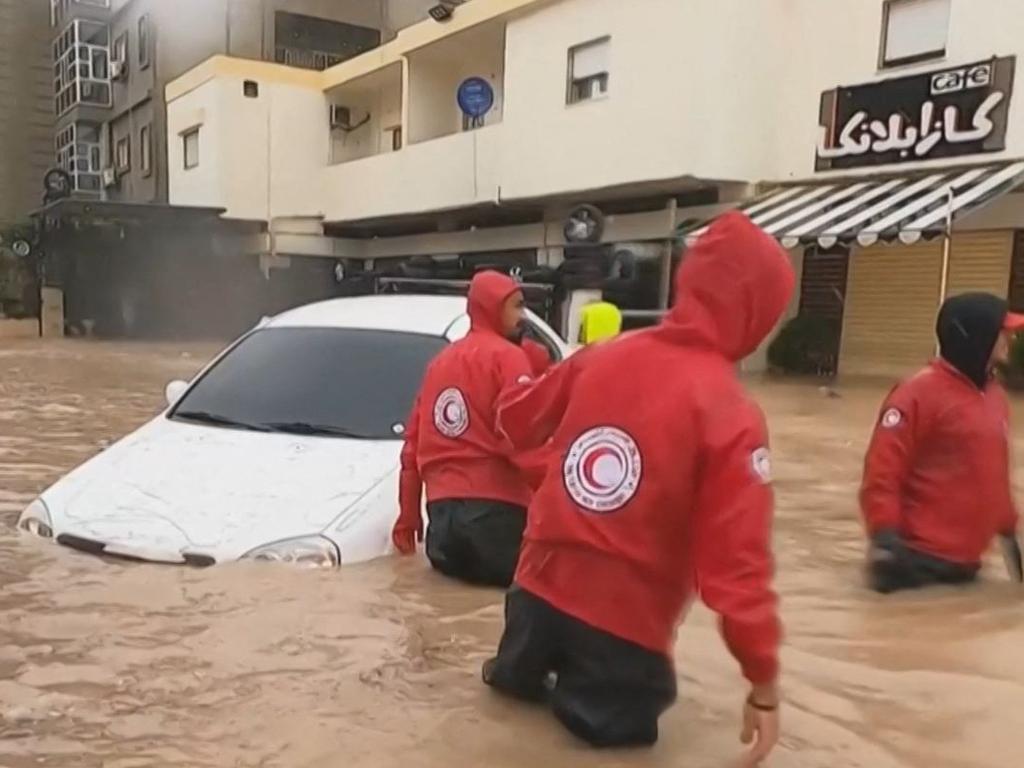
column 127, row 666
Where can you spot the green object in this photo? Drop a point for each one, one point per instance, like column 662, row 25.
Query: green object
column 806, row 344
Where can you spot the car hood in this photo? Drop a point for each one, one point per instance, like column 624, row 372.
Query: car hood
column 174, row 487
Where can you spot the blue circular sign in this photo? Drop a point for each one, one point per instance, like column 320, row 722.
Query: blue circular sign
column 475, row 97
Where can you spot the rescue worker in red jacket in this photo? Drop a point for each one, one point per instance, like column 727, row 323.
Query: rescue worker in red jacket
column 936, row 486
column 659, row 490
column 476, row 493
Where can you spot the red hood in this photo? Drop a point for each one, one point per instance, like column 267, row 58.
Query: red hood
column 731, row 288
column 487, row 294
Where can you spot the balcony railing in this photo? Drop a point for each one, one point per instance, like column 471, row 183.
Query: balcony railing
column 306, row 59
column 81, row 66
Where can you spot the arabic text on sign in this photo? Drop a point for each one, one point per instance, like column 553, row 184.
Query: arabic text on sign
column 862, row 135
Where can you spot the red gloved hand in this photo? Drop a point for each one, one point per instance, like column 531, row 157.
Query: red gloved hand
column 405, row 537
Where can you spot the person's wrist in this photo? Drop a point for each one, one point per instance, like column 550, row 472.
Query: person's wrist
column 764, row 697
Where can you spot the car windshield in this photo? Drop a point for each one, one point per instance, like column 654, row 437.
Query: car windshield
column 314, row 381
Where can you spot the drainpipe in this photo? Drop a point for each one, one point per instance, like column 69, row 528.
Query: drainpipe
column 947, row 247
column 665, row 281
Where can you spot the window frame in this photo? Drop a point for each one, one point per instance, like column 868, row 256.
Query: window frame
column 146, row 149
column 144, row 42
column 125, row 167
column 185, row 136
column 121, row 50
column 572, row 83
column 905, row 61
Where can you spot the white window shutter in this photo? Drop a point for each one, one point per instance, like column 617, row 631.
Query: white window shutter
column 916, row 27
column 590, row 60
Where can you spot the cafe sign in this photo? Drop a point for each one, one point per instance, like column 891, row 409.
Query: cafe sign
column 947, row 113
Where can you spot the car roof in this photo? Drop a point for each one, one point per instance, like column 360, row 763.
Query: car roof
column 431, row 315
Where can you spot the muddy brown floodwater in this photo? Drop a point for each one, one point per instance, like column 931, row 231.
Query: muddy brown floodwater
column 128, row 666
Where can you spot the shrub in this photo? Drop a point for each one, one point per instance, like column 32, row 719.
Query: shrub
column 1013, row 370
column 805, row 345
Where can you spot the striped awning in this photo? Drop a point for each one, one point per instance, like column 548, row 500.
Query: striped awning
column 868, row 210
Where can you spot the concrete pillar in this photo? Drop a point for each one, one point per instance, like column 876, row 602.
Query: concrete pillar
column 52, row 325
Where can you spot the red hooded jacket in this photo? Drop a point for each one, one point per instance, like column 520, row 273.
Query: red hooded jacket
column 662, row 481
column 450, row 441
column 937, row 469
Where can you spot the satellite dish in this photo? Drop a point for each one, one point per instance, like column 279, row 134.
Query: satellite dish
column 585, row 224
column 56, row 184
column 21, row 248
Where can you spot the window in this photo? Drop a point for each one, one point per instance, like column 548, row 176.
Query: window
column 123, row 154
column 190, row 142
column 913, row 31
column 121, row 49
column 251, row 89
column 588, row 70
column 144, row 41
column 146, row 149
column 119, row 57
column 274, row 381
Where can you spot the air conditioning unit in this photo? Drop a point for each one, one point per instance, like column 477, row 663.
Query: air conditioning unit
column 109, row 177
column 117, row 70
column 341, row 117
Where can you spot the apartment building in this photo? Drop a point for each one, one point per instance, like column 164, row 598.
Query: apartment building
column 879, row 140
column 26, row 113
column 112, row 59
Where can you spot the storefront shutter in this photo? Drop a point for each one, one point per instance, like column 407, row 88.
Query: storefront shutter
column 980, row 261
column 891, row 302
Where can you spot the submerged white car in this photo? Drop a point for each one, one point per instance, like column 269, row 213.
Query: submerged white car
column 286, row 447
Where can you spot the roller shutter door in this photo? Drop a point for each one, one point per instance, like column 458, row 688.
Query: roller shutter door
column 891, row 297
column 980, row 261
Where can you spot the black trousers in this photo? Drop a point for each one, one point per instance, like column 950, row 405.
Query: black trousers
column 605, row 690
column 475, row 540
column 905, row 568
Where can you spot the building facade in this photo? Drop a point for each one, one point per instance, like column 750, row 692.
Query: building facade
column 112, row 59
column 877, row 139
column 26, row 112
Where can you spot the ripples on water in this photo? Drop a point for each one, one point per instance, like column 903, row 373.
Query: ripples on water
column 133, row 666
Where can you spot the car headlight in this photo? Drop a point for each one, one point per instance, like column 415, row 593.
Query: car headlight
column 36, row 520
column 308, row 551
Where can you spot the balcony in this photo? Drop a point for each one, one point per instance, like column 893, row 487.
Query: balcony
column 79, row 152
column 62, row 11
column 455, row 171
column 436, row 72
column 81, row 67
column 366, row 115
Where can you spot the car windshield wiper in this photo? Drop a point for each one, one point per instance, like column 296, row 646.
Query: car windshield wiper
column 205, row 417
column 306, row 428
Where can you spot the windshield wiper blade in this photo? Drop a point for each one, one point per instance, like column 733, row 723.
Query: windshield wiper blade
column 306, row 428
column 205, row 417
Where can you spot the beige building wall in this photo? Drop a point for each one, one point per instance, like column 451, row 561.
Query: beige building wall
column 836, row 42
column 26, row 105
column 266, row 179
column 722, row 92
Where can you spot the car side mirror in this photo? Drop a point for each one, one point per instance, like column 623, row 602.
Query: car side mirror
column 175, row 390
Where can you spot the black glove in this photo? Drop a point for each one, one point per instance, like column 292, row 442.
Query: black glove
column 887, row 544
column 1012, row 557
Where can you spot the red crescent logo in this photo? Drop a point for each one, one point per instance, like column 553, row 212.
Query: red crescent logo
column 603, row 469
column 451, row 414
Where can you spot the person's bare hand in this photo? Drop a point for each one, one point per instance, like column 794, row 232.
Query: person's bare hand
column 760, row 726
